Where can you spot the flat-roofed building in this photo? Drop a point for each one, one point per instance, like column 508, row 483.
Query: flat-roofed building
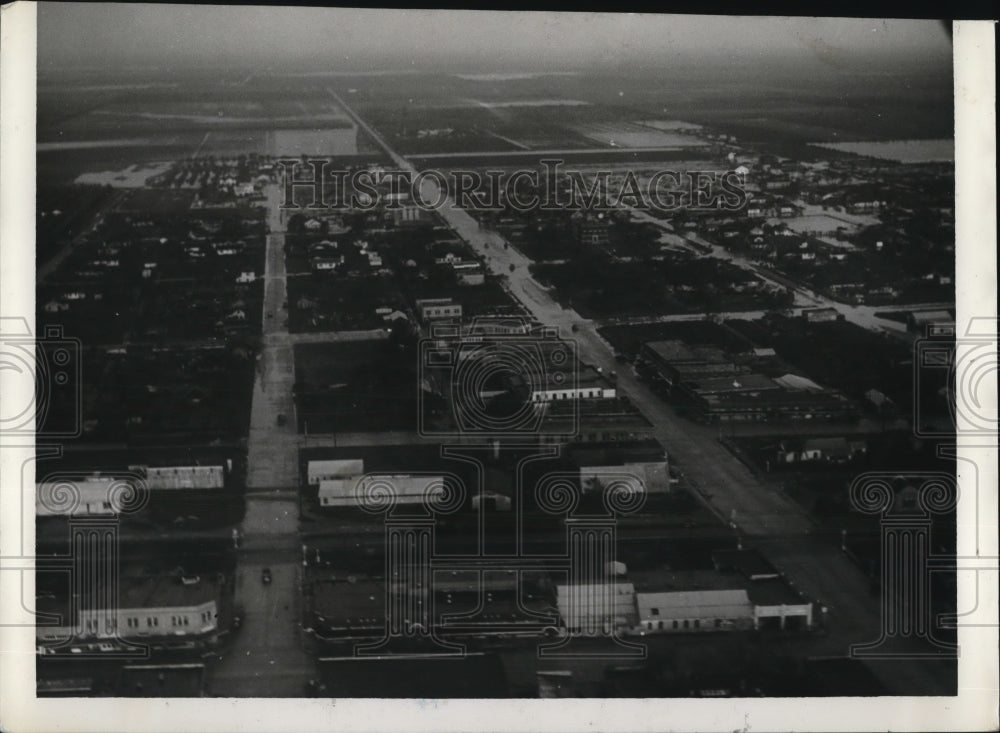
column 596, row 609
column 184, row 477
column 431, row 309
column 695, row 610
column 737, row 384
column 705, row 381
column 776, row 604
column 593, row 421
column 776, row 404
column 674, row 362
column 168, row 610
column 469, row 273
column 744, row 591
column 569, row 384
column 352, row 608
column 81, row 497
column 404, row 489
column 933, row 322
column 317, row 471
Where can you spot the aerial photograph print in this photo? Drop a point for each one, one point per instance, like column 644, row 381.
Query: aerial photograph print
column 451, row 354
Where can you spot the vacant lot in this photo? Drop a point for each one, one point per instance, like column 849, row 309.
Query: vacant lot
column 325, row 142
column 598, row 287
column 332, row 302
column 629, row 339
column 356, row 386
column 630, row 135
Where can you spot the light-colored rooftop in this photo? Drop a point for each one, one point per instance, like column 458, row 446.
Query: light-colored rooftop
column 725, row 604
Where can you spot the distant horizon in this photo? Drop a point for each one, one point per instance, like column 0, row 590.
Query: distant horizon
column 95, row 36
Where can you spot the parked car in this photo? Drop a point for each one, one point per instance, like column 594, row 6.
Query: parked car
column 265, row 577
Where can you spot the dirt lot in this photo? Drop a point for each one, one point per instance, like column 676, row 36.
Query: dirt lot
column 356, row 386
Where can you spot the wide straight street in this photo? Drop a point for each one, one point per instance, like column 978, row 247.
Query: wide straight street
column 266, row 657
column 272, row 453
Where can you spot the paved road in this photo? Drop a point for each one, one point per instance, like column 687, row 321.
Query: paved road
column 272, row 455
column 267, row 657
column 861, row 315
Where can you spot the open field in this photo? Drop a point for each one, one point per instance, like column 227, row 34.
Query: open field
column 318, row 142
column 671, row 125
column 900, row 151
column 60, row 167
column 354, row 386
column 629, row 135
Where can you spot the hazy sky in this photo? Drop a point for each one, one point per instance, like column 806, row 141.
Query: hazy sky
column 91, row 34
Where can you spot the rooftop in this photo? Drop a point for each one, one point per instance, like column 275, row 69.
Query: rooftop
column 925, row 317
column 141, row 592
column 777, row 398
column 649, row 477
column 164, row 592
column 678, row 352
column 185, row 477
column 341, row 468
column 796, row 382
column 774, row 592
column 672, row 351
column 736, row 573
column 350, row 603
column 695, row 604
column 734, row 384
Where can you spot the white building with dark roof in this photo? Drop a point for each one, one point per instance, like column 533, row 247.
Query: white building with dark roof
column 694, row 610
column 596, row 609
column 168, row 610
column 352, row 491
column 185, row 477
column 317, row 471
column 79, row 497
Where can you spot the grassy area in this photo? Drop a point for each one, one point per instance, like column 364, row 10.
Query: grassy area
column 356, row 386
column 629, row 339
